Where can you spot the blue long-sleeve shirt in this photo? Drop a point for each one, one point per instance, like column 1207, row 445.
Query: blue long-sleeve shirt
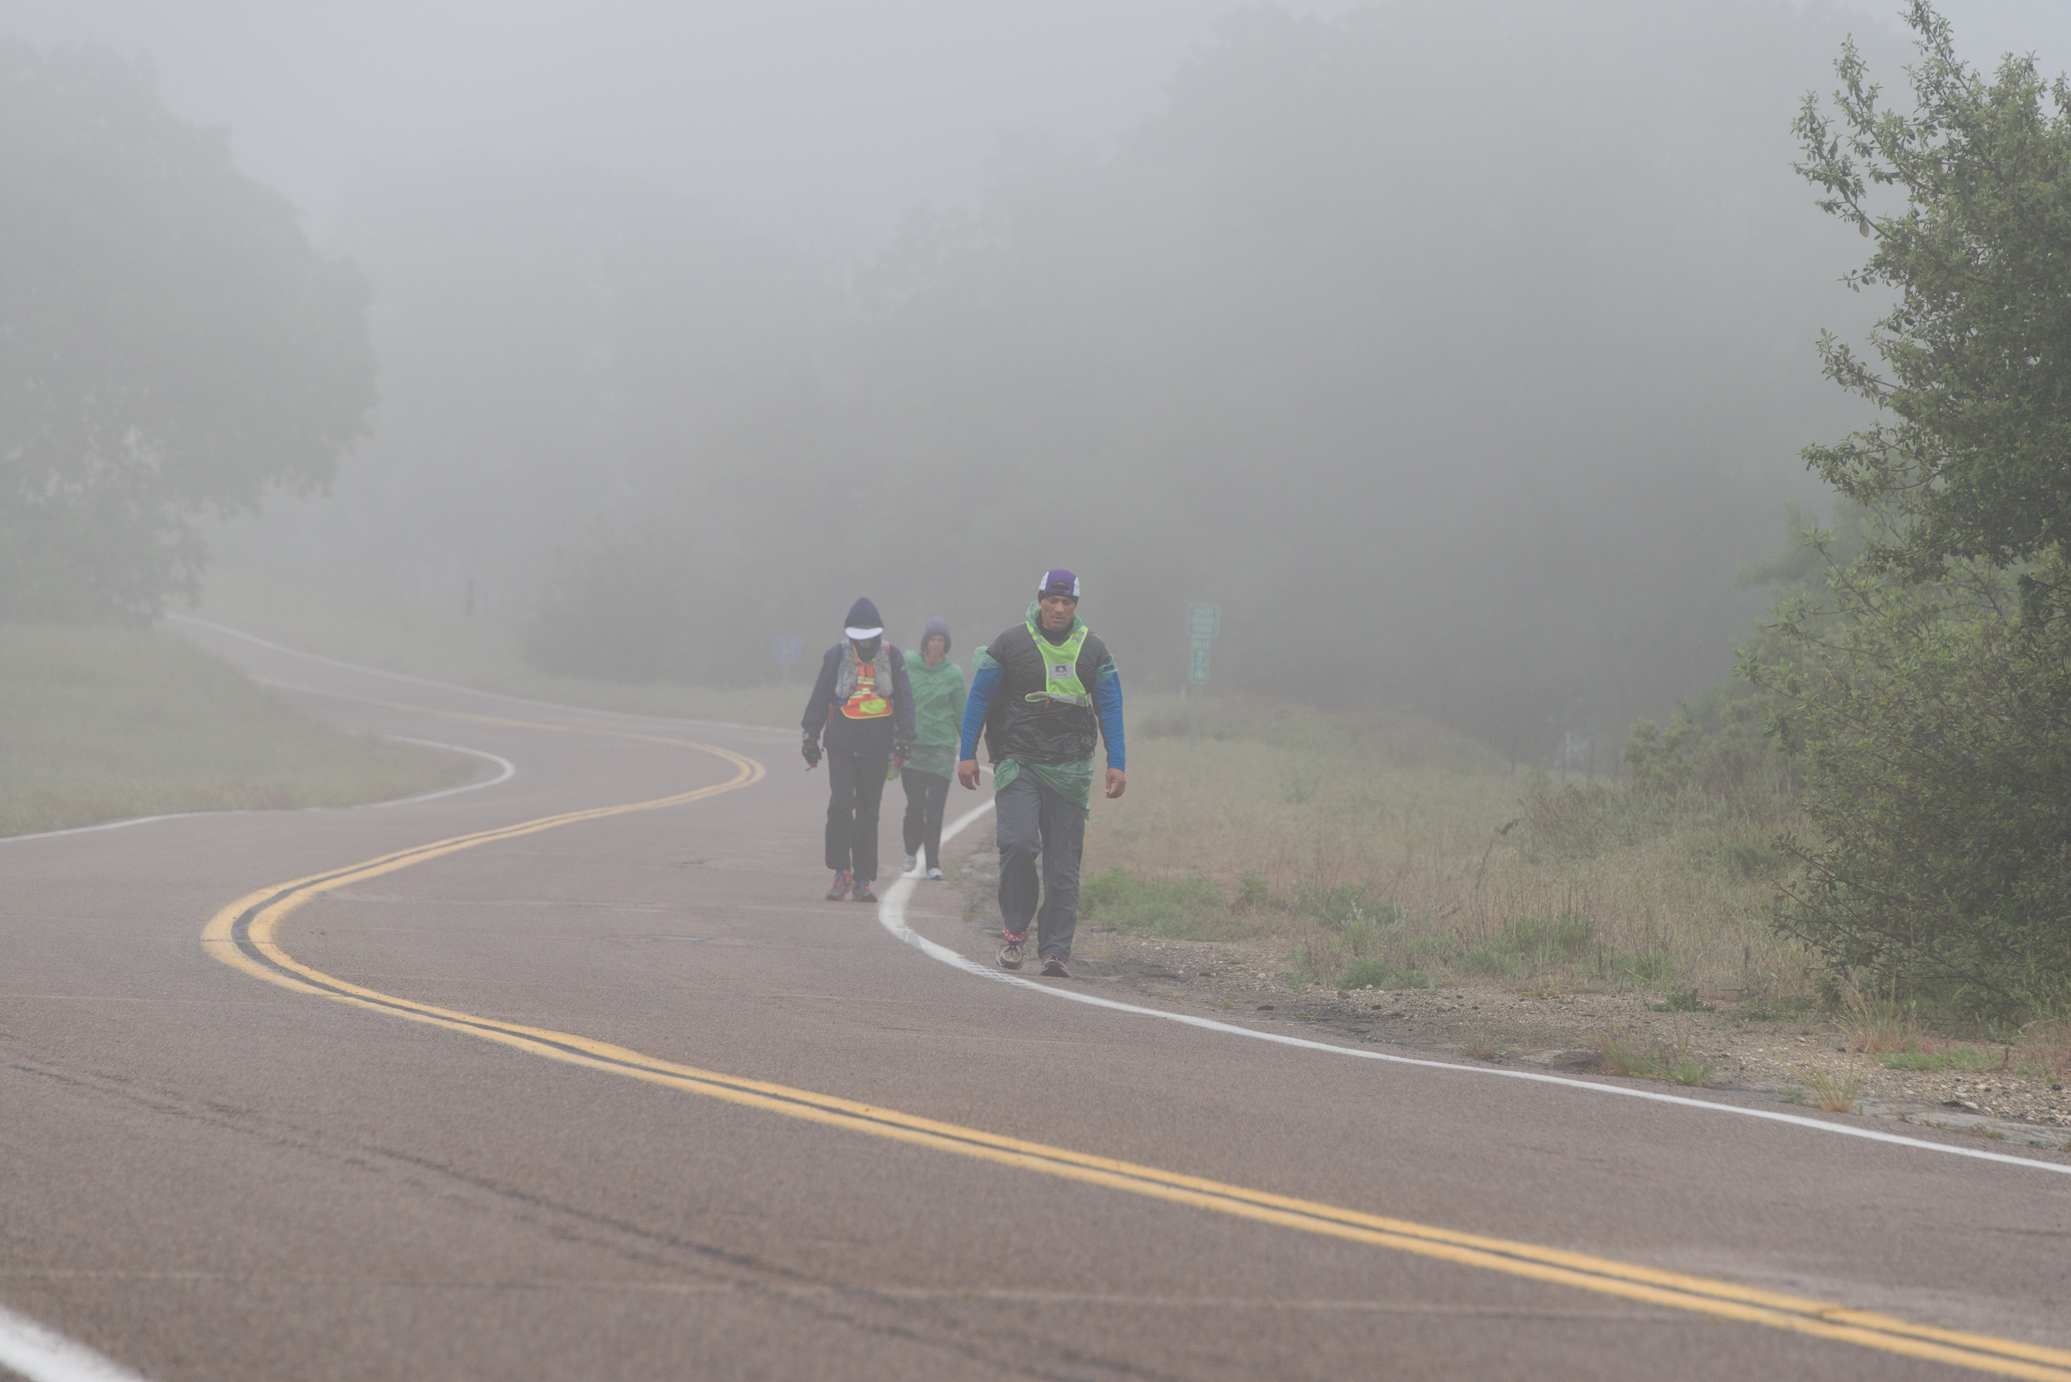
column 1107, row 703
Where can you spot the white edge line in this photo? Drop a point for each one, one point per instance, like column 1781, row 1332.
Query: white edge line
column 510, row 770
column 111, row 825
column 454, row 686
column 891, row 914
column 41, row 1354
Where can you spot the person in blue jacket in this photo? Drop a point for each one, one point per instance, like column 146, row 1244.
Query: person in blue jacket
column 863, row 703
column 1043, row 692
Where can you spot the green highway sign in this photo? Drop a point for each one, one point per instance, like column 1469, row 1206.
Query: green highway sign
column 1203, row 621
column 1197, row 669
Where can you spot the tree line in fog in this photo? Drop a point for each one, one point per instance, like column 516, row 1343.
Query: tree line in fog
column 1461, row 352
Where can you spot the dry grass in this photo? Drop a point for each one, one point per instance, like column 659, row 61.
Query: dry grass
column 1879, row 1027
column 1683, row 1062
column 1677, row 1059
column 2048, row 1044
column 1840, row 1093
column 1478, row 1045
column 1384, row 837
column 110, row 723
column 1621, row 1055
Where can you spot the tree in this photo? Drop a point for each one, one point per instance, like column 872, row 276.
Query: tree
column 170, row 344
column 1927, row 691
column 1976, row 379
column 1933, row 720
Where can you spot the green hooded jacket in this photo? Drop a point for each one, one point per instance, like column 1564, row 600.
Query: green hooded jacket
column 938, row 715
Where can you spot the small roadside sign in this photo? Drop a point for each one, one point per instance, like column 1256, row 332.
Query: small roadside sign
column 1204, row 621
column 788, row 646
column 1197, row 668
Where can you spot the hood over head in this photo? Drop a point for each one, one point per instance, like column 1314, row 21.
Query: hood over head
column 864, row 620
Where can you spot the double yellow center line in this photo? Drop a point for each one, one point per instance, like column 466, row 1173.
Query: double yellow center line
column 244, row 935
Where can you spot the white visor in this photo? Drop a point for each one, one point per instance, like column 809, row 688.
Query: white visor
column 862, row 633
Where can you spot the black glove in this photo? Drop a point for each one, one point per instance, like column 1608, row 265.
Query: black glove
column 809, row 745
column 902, row 752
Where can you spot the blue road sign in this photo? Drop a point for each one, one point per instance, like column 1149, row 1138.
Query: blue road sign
column 788, row 645
column 1197, row 669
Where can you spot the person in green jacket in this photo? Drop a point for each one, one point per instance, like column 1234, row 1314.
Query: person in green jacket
column 938, row 713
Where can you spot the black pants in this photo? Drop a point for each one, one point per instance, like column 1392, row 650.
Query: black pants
column 1033, row 822
column 857, row 781
column 925, row 796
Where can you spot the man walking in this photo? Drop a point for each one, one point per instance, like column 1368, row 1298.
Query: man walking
column 863, row 703
column 1042, row 691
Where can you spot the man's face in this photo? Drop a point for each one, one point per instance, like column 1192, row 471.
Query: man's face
column 1057, row 612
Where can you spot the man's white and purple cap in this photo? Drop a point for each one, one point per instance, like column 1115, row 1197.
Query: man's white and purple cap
column 1058, row 582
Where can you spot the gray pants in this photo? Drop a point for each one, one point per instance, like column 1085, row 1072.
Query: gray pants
column 1034, row 821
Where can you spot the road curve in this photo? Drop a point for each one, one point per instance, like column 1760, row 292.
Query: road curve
column 576, row 1076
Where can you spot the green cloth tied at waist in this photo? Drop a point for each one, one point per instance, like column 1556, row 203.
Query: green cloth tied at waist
column 1073, row 781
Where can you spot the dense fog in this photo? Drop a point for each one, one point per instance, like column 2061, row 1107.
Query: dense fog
column 1461, row 351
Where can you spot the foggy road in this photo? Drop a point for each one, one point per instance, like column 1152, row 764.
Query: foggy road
column 575, row 1075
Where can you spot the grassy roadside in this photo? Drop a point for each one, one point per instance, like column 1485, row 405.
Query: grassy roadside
column 1382, row 850
column 102, row 724
column 379, row 630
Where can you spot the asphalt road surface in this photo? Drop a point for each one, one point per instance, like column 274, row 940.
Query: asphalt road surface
column 576, row 1076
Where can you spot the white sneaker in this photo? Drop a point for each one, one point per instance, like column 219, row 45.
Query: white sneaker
column 906, row 863
column 935, row 874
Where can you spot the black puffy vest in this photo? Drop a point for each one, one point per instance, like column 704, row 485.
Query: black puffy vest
column 1026, row 731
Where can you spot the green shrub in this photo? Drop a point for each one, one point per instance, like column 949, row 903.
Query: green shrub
column 1925, row 688
column 1752, row 859
column 1529, row 945
column 1714, row 751
column 1361, row 935
column 1691, row 1069
column 1643, row 967
column 1965, row 1058
column 1182, row 908
column 1572, row 822
column 1370, row 971
column 1931, row 723
column 1342, row 904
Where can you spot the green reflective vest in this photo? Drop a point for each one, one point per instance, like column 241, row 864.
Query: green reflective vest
column 1060, row 666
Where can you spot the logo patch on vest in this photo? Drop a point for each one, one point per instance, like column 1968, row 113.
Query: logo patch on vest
column 1061, row 684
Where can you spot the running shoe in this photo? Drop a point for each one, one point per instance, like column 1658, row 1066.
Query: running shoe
column 906, row 863
column 1010, row 955
column 1053, row 967
column 841, row 886
column 935, row 875
column 863, row 893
